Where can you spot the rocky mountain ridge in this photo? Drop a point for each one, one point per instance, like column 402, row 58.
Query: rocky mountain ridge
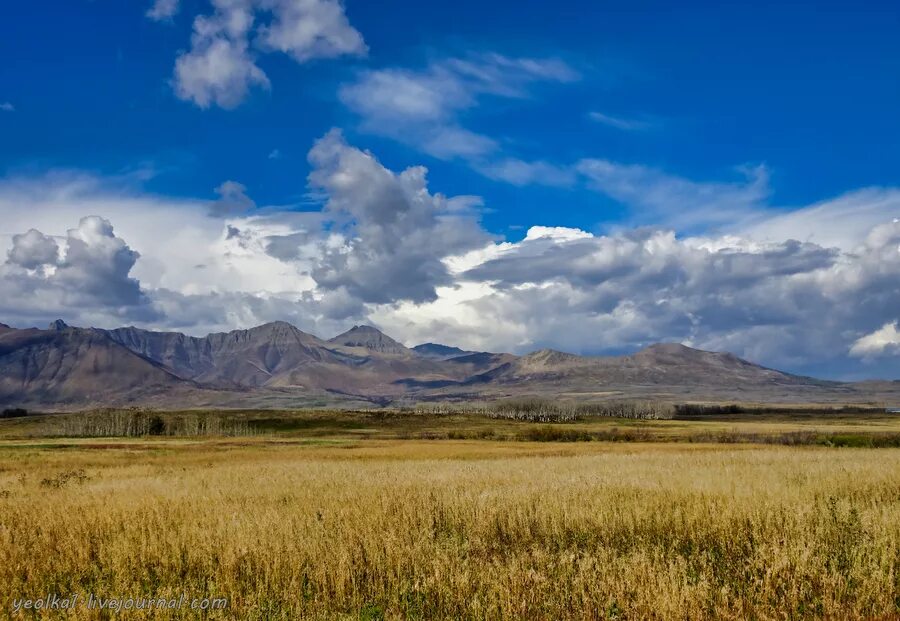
column 277, row 365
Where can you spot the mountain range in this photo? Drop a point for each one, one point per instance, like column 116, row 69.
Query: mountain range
column 278, row 365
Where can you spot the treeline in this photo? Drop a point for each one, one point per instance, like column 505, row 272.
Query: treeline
column 538, row 410
column 140, row 423
column 699, row 410
column 546, row 411
column 791, row 438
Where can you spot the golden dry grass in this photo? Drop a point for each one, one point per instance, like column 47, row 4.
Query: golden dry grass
column 457, row 530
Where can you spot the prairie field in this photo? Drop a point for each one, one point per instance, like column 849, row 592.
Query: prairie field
column 323, row 521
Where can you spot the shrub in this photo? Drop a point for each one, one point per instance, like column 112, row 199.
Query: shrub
column 156, row 426
column 698, row 409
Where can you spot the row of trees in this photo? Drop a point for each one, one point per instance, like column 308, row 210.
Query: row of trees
column 138, row 423
column 546, row 411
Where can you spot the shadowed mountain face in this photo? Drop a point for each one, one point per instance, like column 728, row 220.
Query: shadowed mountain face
column 278, row 364
column 242, row 357
column 436, row 351
column 75, row 366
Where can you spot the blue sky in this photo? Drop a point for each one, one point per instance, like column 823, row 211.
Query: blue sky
column 798, row 87
column 760, row 121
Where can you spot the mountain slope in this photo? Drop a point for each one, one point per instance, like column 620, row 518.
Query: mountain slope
column 666, row 370
column 667, row 364
column 76, row 366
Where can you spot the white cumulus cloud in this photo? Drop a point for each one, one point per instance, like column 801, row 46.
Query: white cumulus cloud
column 92, row 271
column 221, row 67
column 397, row 232
column 884, row 341
column 33, row 250
column 308, row 29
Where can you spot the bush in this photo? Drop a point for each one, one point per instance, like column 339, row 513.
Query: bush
column 156, row 426
column 698, row 409
column 14, row 413
column 554, row 434
column 690, row 411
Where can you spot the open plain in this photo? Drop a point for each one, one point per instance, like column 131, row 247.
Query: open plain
column 325, row 515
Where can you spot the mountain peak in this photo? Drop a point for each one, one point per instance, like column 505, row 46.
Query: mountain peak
column 673, row 352
column 543, row 358
column 670, row 348
column 272, row 332
column 547, row 353
column 275, row 326
column 58, row 325
column 371, row 338
column 280, row 323
column 364, row 327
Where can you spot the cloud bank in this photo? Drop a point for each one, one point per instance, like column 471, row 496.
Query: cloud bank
column 385, row 247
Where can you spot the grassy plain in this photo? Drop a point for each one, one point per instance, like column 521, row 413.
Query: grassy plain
column 813, row 427
column 361, row 516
